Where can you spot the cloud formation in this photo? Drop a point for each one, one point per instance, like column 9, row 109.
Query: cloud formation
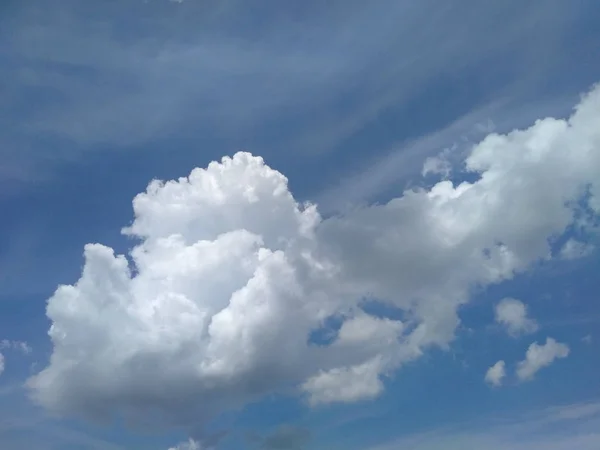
column 215, row 304
column 540, row 356
column 496, row 374
column 512, row 314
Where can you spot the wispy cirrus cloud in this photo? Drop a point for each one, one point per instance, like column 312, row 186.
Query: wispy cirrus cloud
column 556, row 428
column 78, row 75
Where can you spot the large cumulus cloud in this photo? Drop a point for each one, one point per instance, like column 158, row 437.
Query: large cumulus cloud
column 216, row 304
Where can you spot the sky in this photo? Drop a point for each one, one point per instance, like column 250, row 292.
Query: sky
column 299, row 225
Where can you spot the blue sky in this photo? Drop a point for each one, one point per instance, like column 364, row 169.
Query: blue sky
column 351, row 101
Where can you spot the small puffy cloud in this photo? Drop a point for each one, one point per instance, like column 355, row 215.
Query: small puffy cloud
column 574, row 249
column 187, row 445
column 540, row 356
column 587, row 339
column 215, row 304
column 346, row 384
column 496, row 374
column 512, row 314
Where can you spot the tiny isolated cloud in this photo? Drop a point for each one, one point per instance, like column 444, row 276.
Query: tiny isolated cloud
column 540, row 356
column 512, row 314
column 230, row 275
column 496, row 374
column 587, row 339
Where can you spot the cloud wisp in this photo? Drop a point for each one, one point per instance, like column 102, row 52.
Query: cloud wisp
column 556, row 428
column 202, row 65
column 512, row 314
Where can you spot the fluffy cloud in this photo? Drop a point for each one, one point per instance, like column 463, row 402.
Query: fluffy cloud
column 540, row 356
column 496, row 374
column 217, row 302
column 512, row 314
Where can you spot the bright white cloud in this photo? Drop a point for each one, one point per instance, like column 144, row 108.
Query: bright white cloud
column 512, row 314
column 496, row 374
column 540, row 356
column 215, row 304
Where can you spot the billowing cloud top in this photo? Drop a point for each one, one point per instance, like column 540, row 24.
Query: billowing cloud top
column 217, row 303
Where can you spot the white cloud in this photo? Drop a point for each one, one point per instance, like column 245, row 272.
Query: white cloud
column 1, row 364
column 587, row 339
column 496, row 374
column 540, row 356
column 215, row 304
column 512, row 314
column 574, row 249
